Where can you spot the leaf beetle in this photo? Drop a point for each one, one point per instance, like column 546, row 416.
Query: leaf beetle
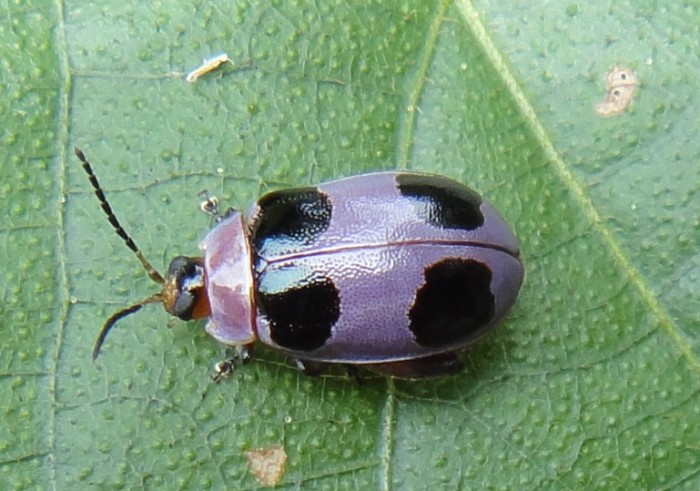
column 392, row 271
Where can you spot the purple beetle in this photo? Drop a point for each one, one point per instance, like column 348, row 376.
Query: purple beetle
column 393, row 271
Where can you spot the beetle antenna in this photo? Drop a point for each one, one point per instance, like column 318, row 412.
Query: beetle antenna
column 116, row 317
column 152, row 272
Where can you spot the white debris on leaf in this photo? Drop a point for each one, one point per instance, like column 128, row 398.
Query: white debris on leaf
column 208, row 65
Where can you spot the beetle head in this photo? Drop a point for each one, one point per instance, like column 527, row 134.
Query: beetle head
column 183, row 293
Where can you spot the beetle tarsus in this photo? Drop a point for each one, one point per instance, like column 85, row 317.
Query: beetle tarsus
column 210, row 206
column 307, row 367
column 225, row 368
column 222, row 370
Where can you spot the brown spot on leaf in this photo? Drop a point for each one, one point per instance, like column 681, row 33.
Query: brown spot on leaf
column 621, row 83
column 267, row 464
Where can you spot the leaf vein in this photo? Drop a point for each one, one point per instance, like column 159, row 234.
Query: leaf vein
column 577, row 190
column 60, row 252
column 407, row 118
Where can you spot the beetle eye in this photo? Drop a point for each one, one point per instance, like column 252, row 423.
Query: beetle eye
column 186, row 274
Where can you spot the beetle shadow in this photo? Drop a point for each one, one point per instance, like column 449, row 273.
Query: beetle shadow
column 483, row 367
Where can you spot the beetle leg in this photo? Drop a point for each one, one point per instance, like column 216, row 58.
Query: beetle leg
column 308, row 367
column 429, row 366
column 224, row 368
column 353, row 372
column 229, row 211
column 210, row 206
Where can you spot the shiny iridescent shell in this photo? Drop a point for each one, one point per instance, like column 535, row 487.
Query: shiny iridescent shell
column 371, row 269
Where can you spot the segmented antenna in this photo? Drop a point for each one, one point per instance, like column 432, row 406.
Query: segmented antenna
column 152, row 272
column 117, row 316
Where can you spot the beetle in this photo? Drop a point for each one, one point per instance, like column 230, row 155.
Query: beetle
column 392, row 271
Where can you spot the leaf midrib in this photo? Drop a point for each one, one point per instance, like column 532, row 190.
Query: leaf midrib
column 61, row 179
column 404, row 146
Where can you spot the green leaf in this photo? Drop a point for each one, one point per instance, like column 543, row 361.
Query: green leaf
column 593, row 380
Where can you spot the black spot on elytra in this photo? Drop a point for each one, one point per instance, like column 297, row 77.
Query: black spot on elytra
column 302, row 315
column 442, row 202
column 453, row 304
column 291, row 217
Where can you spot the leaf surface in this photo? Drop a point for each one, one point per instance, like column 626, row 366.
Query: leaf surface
column 593, row 380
